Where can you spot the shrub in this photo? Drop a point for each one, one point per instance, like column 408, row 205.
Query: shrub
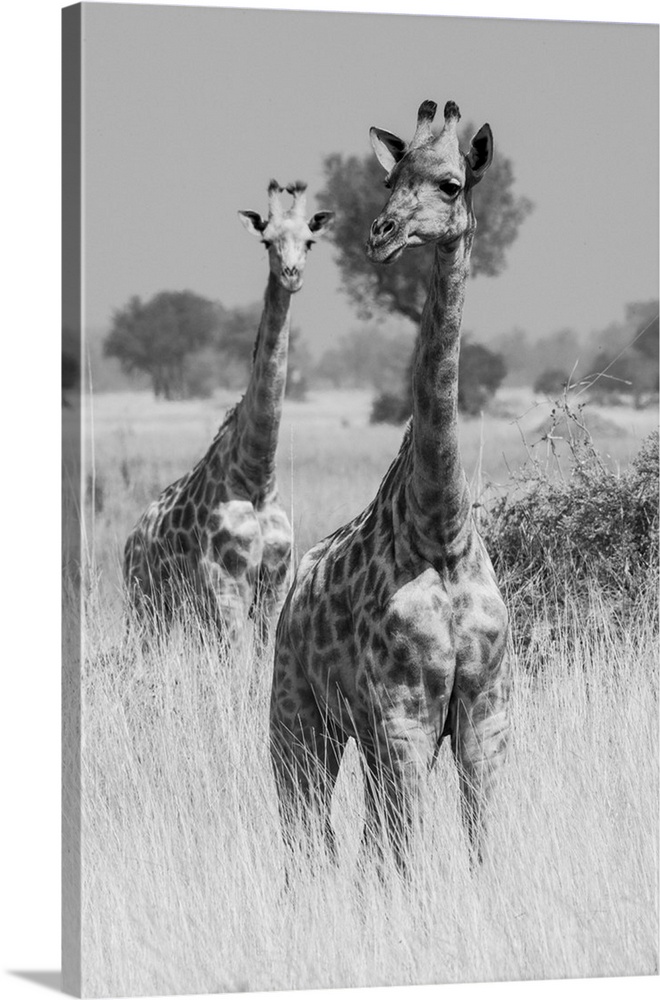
column 480, row 375
column 551, row 381
column 389, row 408
column 556, row 536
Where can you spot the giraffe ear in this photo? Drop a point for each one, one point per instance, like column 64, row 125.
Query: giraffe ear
column 252, row 222
column 320, row 222
column 388, row 147
column 481, row 153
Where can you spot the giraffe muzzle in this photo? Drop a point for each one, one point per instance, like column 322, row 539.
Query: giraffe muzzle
column 385, row 242
column 291, row 278
column 381, row 229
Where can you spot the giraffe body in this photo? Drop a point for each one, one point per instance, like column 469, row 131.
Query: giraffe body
column 218, row 539
column 394, row 629
column 227, row 558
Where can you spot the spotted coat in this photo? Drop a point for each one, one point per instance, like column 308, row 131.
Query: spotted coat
column 394, row 630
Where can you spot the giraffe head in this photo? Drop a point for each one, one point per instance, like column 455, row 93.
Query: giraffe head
column 431, row 181
column 287, row 234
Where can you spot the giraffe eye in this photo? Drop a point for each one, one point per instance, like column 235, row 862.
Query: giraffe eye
column 449, row 188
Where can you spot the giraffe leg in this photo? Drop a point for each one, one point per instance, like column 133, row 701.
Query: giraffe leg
column 393, row 777
column 480, row 732
column 265, row 611
column 221, row 601
column 271, row 589
column 306, row 752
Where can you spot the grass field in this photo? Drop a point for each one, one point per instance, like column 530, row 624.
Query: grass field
column 183, row 885
column 330, row 462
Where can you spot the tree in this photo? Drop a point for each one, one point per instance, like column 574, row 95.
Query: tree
column 238, row 332
column 158, row 337
column 480, row 374
column 354, row 189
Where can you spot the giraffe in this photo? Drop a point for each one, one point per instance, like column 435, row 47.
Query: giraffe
column 219, row 535
column 394, row 629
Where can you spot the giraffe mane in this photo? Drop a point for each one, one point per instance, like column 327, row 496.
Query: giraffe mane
column 228, row 418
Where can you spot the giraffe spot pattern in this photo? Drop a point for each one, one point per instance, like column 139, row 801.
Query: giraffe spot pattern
column 183, row 549
column 423, row 655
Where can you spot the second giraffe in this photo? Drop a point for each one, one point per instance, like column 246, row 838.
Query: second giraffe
column 219, row 538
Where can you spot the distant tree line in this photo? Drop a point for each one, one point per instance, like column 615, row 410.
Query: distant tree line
column 368, row 357
column 188, row 345
column 627, row 356
column 618, row 363
column 625, row 353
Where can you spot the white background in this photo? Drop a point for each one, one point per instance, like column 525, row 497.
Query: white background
column 30, row 717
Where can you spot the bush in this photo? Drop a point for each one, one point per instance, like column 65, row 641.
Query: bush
column 554, row 538
column 551, row 381
column 480, row 375
column 389, row 408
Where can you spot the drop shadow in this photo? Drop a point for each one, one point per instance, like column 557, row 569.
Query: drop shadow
column 49, row 979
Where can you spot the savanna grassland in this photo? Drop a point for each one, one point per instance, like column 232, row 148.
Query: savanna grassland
column 183, row 866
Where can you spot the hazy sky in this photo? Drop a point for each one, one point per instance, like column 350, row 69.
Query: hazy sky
column 189, row 112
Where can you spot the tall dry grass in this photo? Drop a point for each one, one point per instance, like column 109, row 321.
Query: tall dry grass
column 183, row 865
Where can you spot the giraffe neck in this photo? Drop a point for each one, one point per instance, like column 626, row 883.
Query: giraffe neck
column 440, row 503
column 259, row 412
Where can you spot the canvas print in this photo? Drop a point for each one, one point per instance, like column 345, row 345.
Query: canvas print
column 360, row 480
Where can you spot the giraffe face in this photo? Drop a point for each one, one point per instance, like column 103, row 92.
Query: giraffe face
column 431, row 181
column 288, row 242
column 287, row 235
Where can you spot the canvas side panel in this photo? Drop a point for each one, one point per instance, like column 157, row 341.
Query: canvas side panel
column 71, row 498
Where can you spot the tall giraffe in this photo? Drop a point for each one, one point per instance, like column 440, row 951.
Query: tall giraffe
column 394, row 629
column 219, row 535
